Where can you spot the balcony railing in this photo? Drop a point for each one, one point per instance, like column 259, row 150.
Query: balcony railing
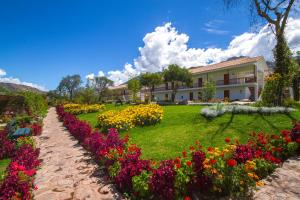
column 234, row 81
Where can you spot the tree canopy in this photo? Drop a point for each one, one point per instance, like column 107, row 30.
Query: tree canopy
column 69, row 84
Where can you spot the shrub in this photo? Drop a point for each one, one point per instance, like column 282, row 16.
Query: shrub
column 270, row 92
column 7, row 147
column 36, row 129
column 162, row 181
column 36, row 103
column 215, row 111
column 140, row 115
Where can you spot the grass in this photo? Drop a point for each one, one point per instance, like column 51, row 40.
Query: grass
column 183, row 125
column 3, row 165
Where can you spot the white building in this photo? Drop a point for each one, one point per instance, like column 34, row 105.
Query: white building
column 236, row 79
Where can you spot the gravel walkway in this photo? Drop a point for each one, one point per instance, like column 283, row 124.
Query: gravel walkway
column 283, row 184
column 67, row 171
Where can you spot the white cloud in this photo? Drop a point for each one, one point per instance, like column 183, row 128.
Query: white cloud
column 213, row 26
column 101, row 73
column 2, row 72
column 90, row 76
column 166, row 46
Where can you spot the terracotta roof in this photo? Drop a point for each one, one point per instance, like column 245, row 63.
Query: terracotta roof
column 122, row 86
column 225, row 64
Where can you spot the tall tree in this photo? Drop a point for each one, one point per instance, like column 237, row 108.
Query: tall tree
column 295, row 76
column 69, row 85
column 177, row 75
column 134, row 86
column 276, row 13
column 150, row 80
column 100, row 84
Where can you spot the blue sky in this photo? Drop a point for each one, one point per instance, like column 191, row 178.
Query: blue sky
column 43, row 40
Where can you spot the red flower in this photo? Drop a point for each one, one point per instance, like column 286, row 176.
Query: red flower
column 227, row 140
column 285, row 133
column 188, row 163
column 212, row 161
column 258, row 153
column 187, row 198
column 298, row 140
column 210, row 149
column 178, row 166
column 231, row 162
column 184, row 153
column 288, row 139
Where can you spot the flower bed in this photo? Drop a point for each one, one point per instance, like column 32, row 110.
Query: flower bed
column 218, row 110
column 77, row 109
column 18, row 182
column 231, row 171
column 130, row 117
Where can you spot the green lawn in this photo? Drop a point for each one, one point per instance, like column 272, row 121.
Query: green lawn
column 183, row 125
column 3, row 165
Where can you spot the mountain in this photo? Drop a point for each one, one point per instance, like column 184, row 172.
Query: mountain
column 12, row 87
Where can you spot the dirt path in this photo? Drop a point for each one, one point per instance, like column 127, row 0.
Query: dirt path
column 283, row 184
column 67, row 170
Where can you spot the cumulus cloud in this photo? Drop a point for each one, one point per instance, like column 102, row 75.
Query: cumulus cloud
column 2, row 72
column 165, row 45
column 19, row 82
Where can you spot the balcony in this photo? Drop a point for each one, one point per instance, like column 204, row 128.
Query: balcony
column 234, row 81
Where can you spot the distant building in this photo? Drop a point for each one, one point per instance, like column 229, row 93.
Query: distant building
column 235, row 79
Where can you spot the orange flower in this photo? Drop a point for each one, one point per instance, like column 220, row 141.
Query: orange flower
column 227, row 140
column 192, row 148
column 184, row 153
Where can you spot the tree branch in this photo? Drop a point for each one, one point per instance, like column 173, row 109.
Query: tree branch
column 263, row 13
column 286, row 14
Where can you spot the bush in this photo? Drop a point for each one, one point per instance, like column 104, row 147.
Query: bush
column 25, row 140
column 36, row 103
column 215, row 111
column 130, row 117
column 7, row 147
column 77, row 109
column 270, row 92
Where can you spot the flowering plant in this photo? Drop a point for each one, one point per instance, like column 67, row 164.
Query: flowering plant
column 233, row 170
column 83, row 108
column 130, row 117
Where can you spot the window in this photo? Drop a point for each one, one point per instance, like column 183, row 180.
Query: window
column 199, row 82
column 166, row 97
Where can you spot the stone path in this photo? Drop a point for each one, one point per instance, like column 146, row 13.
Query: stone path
column 67, row 171
column 283, row 184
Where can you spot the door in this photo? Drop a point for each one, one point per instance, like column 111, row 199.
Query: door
column 226, row 79
column 191, row 96
column 199, row 82
column 252, row 93
column 226, row 94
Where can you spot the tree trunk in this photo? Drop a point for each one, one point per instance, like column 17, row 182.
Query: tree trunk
column 296, row 88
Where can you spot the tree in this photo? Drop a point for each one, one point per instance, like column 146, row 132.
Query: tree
column 294, row 73
column 69, row 84
column 150, row 80
column 176, row 75
column 100, row 84
column 134, row 86
column 208, row 91
column 86, row 95
column 276, row 14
